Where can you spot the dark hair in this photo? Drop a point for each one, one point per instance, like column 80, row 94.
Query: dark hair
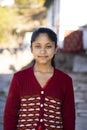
column 51, row 34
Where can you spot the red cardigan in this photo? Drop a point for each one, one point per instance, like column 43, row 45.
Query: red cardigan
column 30, row 107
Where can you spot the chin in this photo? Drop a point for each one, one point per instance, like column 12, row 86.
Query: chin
column 43, row 62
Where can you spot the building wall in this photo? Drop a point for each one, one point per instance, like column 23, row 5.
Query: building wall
column 53, row 15
column 68, row 15
column 85, row 38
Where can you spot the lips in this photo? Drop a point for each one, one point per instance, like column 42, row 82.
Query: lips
column 42, row 56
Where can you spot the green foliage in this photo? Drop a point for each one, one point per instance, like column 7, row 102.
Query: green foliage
column 7, row 17
column 29, row 3
column 21, row 2
column 10, row 18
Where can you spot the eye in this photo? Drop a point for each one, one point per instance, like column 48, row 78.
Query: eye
column 37, row 46
column 49, row 46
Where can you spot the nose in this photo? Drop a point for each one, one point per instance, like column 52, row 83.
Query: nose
column 43, row 50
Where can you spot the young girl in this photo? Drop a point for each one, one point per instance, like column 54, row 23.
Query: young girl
column 41, row 97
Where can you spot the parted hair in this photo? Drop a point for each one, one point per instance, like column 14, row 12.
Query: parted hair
column 51, row 34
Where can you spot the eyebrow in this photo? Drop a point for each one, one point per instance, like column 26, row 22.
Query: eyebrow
column 48, row 43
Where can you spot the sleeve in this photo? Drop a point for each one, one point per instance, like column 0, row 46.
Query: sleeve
column 12, row 106
column 69, row 107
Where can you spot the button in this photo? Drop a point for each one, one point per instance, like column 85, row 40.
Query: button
column 41, row 105
column 42, row 92
column 41, row 120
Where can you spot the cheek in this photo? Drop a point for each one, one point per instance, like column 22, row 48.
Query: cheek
column 34, row 53
column 52, row 52
column 33, row 50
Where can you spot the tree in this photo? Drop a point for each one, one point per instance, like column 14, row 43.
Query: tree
column 29, row 3
column 7, row 17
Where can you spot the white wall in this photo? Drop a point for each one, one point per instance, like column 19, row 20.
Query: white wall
column 85, row 38
column 53, row 14
column 67, row 15
column 72, row 16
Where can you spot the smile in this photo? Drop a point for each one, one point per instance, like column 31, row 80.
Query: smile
column 43, row 56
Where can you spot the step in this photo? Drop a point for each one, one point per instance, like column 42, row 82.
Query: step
column 82, row 113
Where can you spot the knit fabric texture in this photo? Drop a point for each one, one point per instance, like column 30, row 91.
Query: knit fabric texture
column 31, row 107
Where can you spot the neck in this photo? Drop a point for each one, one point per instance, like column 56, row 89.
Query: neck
column 43, row 68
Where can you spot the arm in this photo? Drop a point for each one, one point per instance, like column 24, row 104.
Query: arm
column 12, row 106
column 69, row 107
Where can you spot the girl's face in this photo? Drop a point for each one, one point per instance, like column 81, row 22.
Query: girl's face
column 43, row 49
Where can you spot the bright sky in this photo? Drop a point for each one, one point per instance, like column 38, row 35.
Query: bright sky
column 6, row 2
column 73, row 12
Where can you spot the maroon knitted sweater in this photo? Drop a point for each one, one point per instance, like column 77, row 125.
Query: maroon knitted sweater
column 30, row 107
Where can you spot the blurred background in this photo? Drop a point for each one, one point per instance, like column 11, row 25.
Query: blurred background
column 68, row 18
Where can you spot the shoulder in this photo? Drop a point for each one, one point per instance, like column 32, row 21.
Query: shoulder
column 24, row 73
column 63, row 80
column 62, row 75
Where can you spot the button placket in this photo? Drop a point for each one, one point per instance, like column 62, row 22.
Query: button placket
column 42, row 107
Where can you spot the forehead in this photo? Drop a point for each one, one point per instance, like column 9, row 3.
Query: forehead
column 43, row 37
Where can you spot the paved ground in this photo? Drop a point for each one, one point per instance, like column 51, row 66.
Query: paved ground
column 80, row 88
